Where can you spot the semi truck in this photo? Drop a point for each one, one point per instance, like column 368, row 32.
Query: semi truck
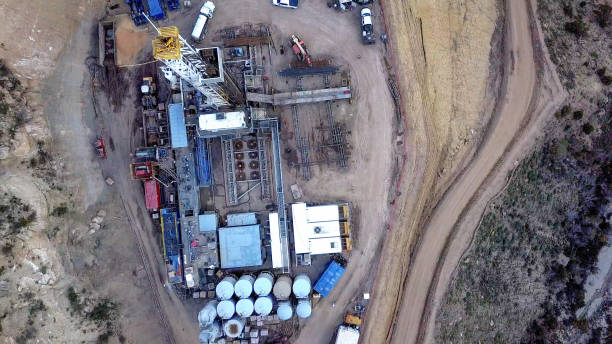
column 206, row 14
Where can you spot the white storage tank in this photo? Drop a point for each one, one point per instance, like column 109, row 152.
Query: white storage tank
column 244, row 307
column 264, row 283
column 233, row 327
column 244, row 287
column 208, row 314
column 226, row 309
column 282, row 288
column 284, row 311
column 301, row 286
column 210, row 333
column 303, row 308
column 225, row 288
column 263, row 305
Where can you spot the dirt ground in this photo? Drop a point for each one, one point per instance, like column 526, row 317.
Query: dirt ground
column 505, row 142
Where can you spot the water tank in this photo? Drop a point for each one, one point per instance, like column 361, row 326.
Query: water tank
column 284, row 311
column 303, row 308
column 208, row 314
column 263, row 283
column 225, row 288
column 282, row 288
column 233, row 327
column 244, row 307
column 210, row 333
column 226, row 309
column 301, row 286
column 244, row 287
column 263, row 305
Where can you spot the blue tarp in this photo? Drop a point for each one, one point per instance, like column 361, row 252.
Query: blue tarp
column 202, row 163
column 328, row 279
column 155, row 9
column 178, row 132
column 240, row 246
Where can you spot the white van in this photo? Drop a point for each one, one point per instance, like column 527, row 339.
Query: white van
column 206, row 13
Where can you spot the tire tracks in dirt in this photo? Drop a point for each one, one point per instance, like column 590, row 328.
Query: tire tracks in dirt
column 526, row 104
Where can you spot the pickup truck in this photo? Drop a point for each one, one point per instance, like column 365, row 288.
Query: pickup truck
column 367, row 28
column 206, row 13
column 286, row 3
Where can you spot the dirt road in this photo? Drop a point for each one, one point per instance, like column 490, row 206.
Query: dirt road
column 507, row 134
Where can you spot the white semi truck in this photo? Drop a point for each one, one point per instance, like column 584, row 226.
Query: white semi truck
column 206, row 13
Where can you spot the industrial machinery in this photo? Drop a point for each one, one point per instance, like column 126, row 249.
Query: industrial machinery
column 300, row 50
column 137, row 12
column 173, row 5
column 100, row 148
column 183, row 60
column 147, row 90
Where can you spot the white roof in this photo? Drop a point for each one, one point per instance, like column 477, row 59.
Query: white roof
column 316, row 230
column 275, row 241
column 347, row 335
column 322, row 213
column 325, row 245
column 222, row 121
column 300, row 231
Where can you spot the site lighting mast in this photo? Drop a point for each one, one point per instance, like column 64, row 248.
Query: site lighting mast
column 183, row 60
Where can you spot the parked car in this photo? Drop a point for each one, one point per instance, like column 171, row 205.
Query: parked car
column 286, row 3
column 367, row 28
column 206, row 13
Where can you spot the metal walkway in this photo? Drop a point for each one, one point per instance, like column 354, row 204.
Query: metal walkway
column 301, row 97
column 271, row 125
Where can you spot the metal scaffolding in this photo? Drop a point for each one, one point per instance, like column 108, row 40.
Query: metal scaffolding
column 231, row 190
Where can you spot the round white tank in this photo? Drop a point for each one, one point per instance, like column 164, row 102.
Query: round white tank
column 263, row 305
column 210, row 333
column 263, row 283
column 233, row 327
column 225, row 288
column 244, row 307
column 301, row 286
column 244, row 287
column 284, row 311
column 226, row 309
column 208, row 314
column 303, row 308
column 282, row 288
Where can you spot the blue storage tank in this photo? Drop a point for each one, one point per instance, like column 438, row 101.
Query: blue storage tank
column 328, row 279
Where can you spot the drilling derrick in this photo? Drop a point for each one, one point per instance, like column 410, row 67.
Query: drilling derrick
column 183, row 60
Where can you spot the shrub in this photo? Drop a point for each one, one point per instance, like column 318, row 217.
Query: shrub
column 587, row 128
column 578, row 115
column 563, row 111
column 60, row 211
column 103, row 311
column 605, row 79
column 73, row 298
column 602, row 14
column 578, row 27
